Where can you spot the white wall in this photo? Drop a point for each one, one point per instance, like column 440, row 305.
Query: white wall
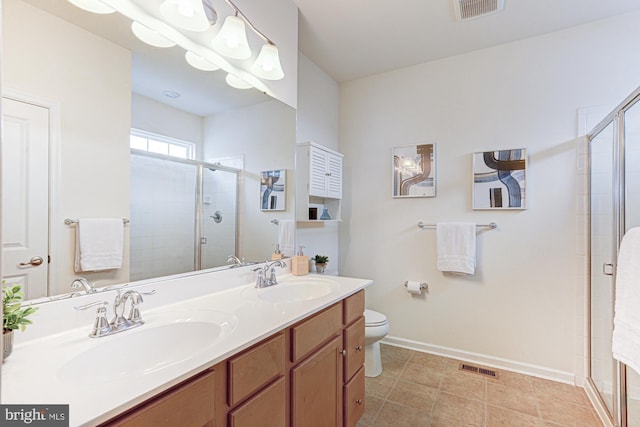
column 263, row 135
column 520, row 308
column 153, row 116
column 92, row 156
column 318, row 118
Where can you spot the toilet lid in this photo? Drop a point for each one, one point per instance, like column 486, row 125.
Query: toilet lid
column 373, row 318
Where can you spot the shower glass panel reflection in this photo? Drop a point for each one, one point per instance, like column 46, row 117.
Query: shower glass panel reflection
column 631, row 220
column 183, row 216
column 601, row 297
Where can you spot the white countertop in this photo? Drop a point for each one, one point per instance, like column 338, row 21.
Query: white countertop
column 69, row 367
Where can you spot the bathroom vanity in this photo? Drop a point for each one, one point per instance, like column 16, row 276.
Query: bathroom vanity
column 288, row 355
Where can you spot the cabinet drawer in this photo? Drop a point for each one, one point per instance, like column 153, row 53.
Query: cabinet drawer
column 190, row 404
column 313, row 332
column 354, row 346
column 267, row 408
column 254, row 368
column 353, row 307
column 354, row 399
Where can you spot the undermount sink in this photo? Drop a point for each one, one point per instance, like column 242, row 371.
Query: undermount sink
column 297, row 290
column 147, row 349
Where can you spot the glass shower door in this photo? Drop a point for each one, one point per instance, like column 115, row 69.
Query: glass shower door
column 632, row 219
column 602, row 365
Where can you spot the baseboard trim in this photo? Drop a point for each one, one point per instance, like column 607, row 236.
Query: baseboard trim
column 597, row 404
column 482, row 359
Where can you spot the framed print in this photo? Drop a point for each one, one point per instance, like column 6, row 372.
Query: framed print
column 414, row 171
column 273, row 190
column 499, row 179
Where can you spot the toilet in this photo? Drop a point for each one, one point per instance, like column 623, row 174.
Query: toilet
column 376, row 328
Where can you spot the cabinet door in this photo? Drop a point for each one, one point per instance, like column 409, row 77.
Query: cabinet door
column 354, row 347
column 267, row 408
column 334, row 176
column 354, row 399
column 316, row 389
column 190, row 405
column 317, row 172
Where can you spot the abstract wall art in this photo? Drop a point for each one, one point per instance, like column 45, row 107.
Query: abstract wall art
column 273, row 187
column 414, row 171
column 499, row 179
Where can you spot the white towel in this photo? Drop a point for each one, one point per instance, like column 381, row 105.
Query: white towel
column 456, row 246
column 626, row 320
column 286, row 236
column 99, row 244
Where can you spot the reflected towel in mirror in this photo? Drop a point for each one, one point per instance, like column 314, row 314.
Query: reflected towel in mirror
column 99, row 244
column 286, row 236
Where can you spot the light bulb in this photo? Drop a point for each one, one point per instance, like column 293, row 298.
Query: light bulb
column 197, row 61
column 95, row 6
column 185, row 14
column 267, row 65
column 149, row 36
column 231, row 41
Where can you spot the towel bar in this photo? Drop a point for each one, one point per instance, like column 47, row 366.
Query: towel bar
column 70, row 221
column 491, row 225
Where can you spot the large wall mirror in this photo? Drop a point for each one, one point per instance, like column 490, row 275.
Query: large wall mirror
column 78, row 88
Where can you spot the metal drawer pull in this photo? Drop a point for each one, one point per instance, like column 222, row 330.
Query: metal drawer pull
column 35, row 261
column 359, row 348
column 344, row 352
column 359, row 402
column 607, row 269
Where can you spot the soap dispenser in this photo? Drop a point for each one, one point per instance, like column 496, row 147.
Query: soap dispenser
column 300, row 263
column 277, row 254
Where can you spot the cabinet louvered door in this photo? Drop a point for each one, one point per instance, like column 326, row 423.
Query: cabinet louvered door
column 334, row 176
column 318, row 173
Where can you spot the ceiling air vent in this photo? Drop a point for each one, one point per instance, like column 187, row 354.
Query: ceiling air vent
column 469, row 9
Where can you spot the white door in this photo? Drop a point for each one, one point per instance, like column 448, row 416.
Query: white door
column 25, row 201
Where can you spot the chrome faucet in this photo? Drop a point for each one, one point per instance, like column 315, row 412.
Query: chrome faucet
column 89, row 287
column 120, row 322
column 267, row 274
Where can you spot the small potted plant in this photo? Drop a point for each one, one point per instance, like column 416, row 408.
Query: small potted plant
column 13, row 316
column 321, row 262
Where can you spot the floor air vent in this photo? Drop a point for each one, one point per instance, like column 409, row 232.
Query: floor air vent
column 469, row 9
column 478, row 370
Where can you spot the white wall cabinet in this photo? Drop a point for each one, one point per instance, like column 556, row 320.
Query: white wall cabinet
column 318, row 181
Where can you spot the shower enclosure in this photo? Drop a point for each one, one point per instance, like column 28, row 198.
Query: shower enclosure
column 614, row 153
column 183, row 215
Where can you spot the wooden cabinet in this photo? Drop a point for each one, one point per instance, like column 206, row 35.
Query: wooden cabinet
column 316, row 395
column 318, row 181
column 311, row 374
column 190, row 404
column 266, row 408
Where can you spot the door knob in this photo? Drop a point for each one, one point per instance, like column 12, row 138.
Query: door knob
column 33, row 262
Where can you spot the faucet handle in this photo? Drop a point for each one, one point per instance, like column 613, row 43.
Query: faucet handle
column 259, row 277
column 101, row 325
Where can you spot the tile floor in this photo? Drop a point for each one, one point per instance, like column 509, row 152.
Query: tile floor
column 418, row 389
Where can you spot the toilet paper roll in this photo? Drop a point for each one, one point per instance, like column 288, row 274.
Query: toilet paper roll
column 414, row 287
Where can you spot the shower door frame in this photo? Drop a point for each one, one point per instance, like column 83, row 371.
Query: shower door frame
column 200, row 165
column 617, row 118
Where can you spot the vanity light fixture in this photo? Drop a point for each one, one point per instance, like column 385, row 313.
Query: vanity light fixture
column 237, row 82
column 267, row 66
column 231, row 41
column 200, row 63
column 95, row 6
column 149, row 36
column 186, row 14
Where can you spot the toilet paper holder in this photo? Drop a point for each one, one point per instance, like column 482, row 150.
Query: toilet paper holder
column 423, row 285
